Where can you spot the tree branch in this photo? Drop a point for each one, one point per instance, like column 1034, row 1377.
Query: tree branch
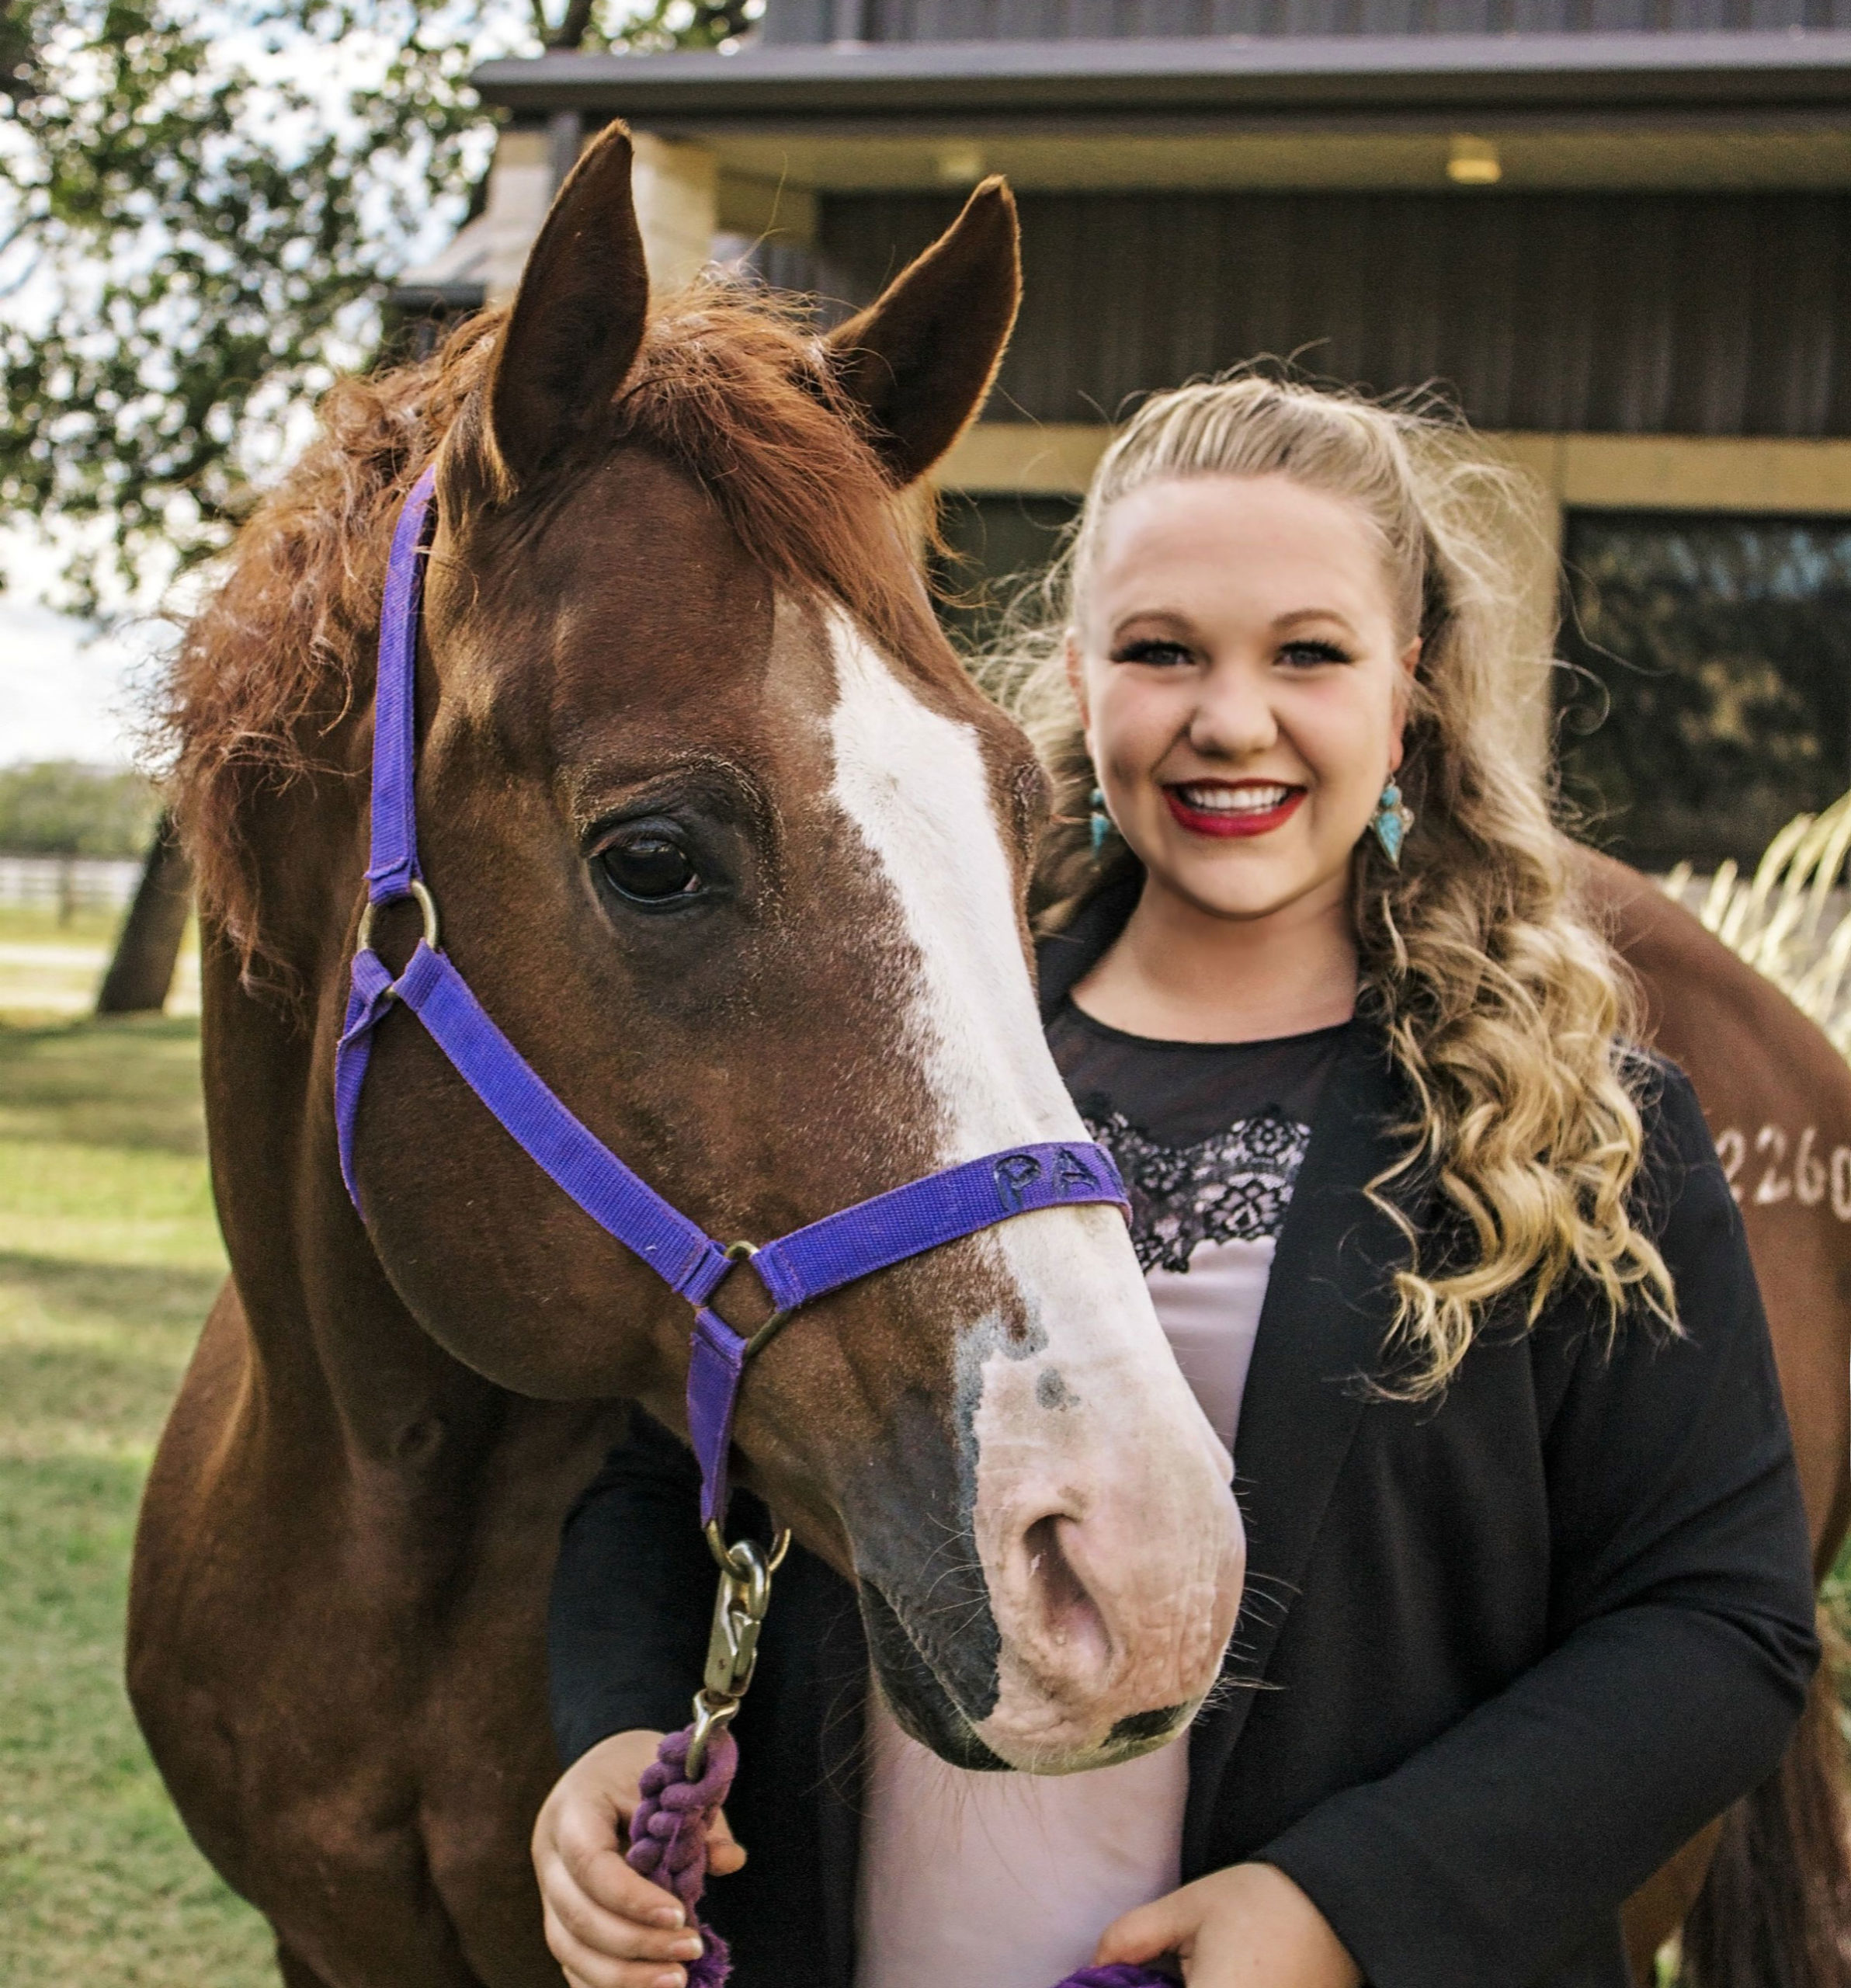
column 571, row 30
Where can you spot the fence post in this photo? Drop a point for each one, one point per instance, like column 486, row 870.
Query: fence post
column 142, row 971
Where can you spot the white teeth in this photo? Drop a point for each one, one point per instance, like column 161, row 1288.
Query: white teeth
column 1234, row 800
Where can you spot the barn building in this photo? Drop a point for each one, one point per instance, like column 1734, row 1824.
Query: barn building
column 1619, row 232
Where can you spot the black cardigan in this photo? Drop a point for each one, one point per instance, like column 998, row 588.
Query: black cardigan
column 1514, row 1648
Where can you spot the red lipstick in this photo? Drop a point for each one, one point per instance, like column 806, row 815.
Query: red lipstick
column 1225, row 822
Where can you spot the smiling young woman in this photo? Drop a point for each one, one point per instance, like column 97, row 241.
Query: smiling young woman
column 1244, row 690
column 1285, row 616
column 1450, row 1266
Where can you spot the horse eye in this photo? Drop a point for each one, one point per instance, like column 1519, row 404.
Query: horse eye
column 650, row 868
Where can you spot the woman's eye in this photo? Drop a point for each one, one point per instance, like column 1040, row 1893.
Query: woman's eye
column 1307, row 655
column 1163, row 655
column 650, row 868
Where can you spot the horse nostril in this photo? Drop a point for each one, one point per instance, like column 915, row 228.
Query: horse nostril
column 1137, row 1726
column 1068, row 1610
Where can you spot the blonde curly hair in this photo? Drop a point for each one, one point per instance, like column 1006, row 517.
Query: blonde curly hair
column 1508, row 1013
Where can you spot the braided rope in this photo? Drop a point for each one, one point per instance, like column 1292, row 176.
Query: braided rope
column 669, row 1835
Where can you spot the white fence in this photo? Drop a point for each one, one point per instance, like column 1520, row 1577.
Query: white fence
column 68, row 884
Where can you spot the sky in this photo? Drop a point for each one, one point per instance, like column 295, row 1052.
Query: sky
column 64, row 695
column 66, row 692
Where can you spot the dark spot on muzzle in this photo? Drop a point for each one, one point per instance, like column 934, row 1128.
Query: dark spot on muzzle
column 1139, row 1728
column 1052, row 1390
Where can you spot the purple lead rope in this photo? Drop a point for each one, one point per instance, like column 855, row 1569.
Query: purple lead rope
column 669, row 1836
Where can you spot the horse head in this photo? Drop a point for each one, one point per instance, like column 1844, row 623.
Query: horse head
column 726, row 842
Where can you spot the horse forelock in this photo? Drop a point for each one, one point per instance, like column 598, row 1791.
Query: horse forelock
column 727, row 386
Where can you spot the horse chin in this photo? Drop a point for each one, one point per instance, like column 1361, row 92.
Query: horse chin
column 925, row 1710
column 1138, row 1733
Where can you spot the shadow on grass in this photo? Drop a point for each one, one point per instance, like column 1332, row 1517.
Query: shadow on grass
column 127, row 1082
column 118, row 1294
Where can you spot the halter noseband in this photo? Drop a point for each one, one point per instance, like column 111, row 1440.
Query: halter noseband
column 872, row 1236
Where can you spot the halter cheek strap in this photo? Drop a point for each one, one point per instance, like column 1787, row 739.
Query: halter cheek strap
column 872, row 1235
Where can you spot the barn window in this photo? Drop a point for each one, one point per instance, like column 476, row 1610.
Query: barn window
column 1708, row 699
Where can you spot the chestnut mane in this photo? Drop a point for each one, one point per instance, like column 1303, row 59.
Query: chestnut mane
column 725, row 385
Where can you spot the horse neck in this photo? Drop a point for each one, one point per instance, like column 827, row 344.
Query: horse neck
column 335, row 1359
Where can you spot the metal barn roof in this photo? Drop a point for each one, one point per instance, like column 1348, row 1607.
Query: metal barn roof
column 1172, row 79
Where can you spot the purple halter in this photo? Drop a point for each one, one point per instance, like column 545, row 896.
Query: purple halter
column 805, row 1264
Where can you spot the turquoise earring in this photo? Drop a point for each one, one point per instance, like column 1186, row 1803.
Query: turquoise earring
column 1098, row 822
column 1391, row 821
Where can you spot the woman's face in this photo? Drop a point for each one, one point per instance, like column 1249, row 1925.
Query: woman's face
column 1243, row 687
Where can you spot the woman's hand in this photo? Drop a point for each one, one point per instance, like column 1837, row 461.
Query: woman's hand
column 1249, row 1927
column 607, row 1926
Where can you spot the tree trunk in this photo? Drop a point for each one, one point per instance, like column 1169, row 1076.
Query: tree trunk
column 143, row 969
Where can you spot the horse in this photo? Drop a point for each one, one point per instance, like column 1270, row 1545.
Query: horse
column 677, row 647
column 1763, row 1897
column 725, row 841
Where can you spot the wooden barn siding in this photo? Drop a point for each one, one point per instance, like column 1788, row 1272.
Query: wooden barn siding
column 816, row 21
column 1683, row 314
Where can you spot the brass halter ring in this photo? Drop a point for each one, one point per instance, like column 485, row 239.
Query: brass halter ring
column 743, row 1252
column 745, row 1561
column 427, row 905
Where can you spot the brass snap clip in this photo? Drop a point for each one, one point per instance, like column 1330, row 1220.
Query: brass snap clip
column 741, row 1603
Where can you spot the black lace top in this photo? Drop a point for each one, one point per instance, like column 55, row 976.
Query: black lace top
column 1209, row 1136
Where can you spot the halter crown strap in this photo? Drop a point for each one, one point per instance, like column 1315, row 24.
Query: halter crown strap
column 394, row 852
column 872, row 1235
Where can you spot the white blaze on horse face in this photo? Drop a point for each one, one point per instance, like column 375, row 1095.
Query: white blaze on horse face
column 1108, row 1534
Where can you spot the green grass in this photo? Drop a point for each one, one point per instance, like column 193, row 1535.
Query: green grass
column 22, row 924
column 109, row 1257
column 50, row 972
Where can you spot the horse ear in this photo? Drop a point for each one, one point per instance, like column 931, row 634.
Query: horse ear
column 920, row 358
column 578, row 317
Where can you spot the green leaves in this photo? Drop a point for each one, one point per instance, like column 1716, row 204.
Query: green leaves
column 202, row 216
column 60, row 808
column 202, row 205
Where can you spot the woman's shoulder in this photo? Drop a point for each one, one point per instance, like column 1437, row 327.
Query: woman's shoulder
column 1680, row 1202
column 1678, row 1162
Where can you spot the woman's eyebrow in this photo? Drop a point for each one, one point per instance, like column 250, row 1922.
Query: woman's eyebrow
column 1297, row 616
column 1166, row 620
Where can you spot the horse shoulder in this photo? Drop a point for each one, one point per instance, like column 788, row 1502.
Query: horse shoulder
column 1777, row 1096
